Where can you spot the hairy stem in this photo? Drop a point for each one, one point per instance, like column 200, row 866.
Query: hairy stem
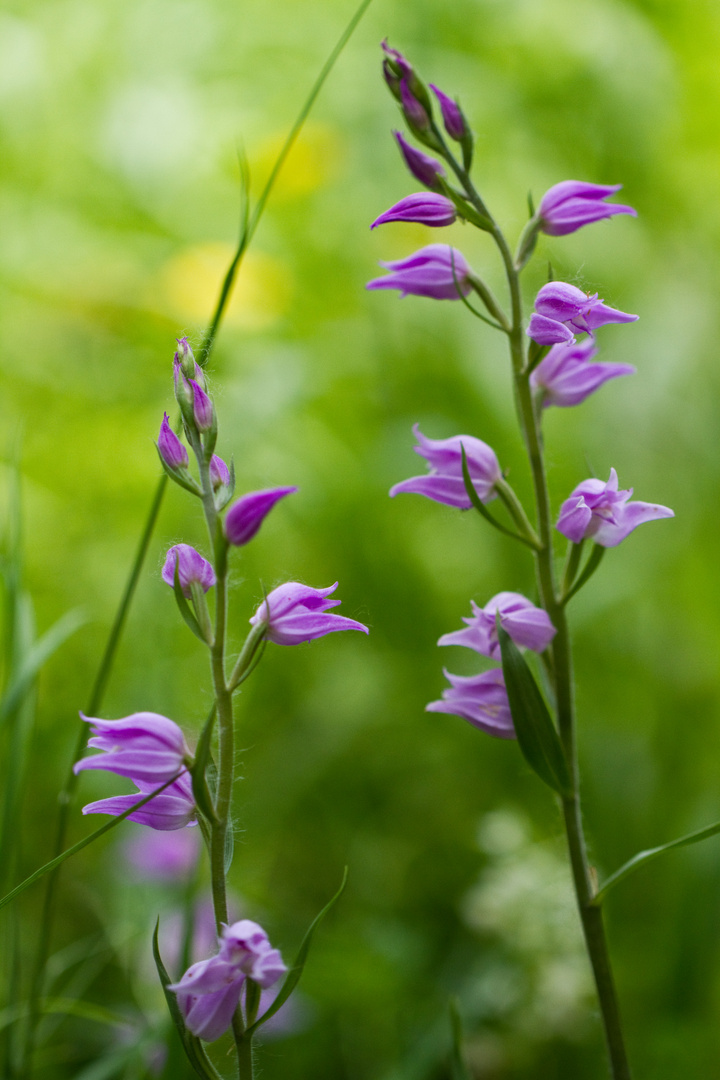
column 249, row 225
column 590, row 914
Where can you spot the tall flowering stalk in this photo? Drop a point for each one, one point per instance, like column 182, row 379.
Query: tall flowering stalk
column 550, row 367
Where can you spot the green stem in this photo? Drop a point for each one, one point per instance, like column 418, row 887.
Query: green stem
column 590, row 915
column 517, row 512
column 65, row 798
column 245, row 1058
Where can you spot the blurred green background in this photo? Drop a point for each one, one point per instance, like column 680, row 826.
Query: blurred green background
column 120, row 126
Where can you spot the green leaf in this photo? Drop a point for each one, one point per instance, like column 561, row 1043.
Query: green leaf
column 199, row 769
column 36, row 656
column 184, row 607
column 536, row 733
column 191, row 1044
column 293, row 976
column 480, row 506
column 59, row 859
column 594, row 560
column 531, row 205
column 643, row 857
column 458, row 1067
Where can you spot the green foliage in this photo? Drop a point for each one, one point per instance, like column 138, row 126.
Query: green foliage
column 119, row 205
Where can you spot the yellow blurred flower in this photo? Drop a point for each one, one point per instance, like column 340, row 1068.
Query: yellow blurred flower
column 189, row 284
column 314, row 160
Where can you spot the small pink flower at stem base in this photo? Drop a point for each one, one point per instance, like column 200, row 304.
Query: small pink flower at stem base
column 424, row 208
column 295, row 613
column 145, row 746
column 599, row 511
column 245, row 516
column 192, row 568
column 481, row 700
column 445, row 483
column 173, row 808
column 571, row 204
column 437, row 271
column 209, row 992
column 208, row 995
column 566, row 376
column 526, row 624
column 245, row 944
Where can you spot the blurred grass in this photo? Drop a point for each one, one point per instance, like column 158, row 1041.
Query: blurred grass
column 119, row 127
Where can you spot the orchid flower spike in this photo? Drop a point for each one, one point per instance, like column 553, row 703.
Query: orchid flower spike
column 425, row 208
column 437, row 271
column 566, row 376
column 445, row 482
column 571, row 204
column 563, row 310
column 192, row 568
column 173, row 808
column 294, row 613
column 145, row 746
column 245, row 516
column 481, row 700
column 600, row 512
column 525, row 623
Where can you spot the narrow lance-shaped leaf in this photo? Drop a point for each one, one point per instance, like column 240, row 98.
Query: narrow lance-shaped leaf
column 59, row 859
column 37, row 656
column 191, row 1044
column 293, row 976
column 644, row 857
column 459, row 1068
column 536, row 733
column 184, row 607
column 480, row 506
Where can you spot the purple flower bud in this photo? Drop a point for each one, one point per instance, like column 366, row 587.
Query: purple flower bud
column 423, row 167
column 452, row 115
column 245, row 516
column 566, row 376
column 183, row 391
column 219, row 473
column 564, row 310
column 396, row 61
column 480, row 699
column 173, row 809
column 207, row 996
column 571, row 204
column 429, row 272
column 414, row 111
column 209, row 992
column 295, row 613
column 170, row 448
column 423, row 208
column 526, row 624
column 246, row 945
column 192, row 567
column 185, row 359
column 601, row 512
column 202, row 408
column 445, row 483
column 145, row 746
column 161, row 857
